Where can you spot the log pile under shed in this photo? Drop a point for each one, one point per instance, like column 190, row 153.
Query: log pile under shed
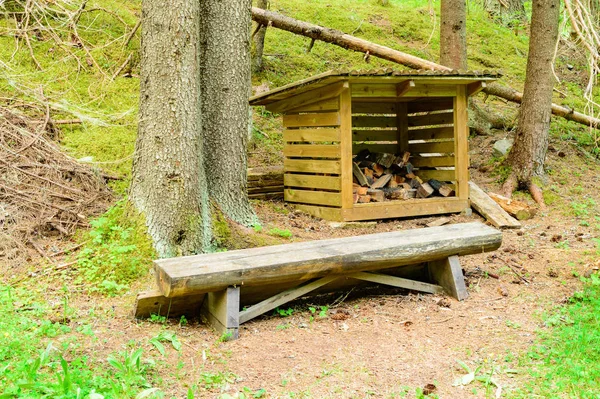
column 380, row 177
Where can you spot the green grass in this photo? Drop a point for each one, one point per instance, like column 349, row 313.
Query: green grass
column 43, row 358
column 564, row 362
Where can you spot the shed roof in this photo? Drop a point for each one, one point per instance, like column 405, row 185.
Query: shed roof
column 372, row 76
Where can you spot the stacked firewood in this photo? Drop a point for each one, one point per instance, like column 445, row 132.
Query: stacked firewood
column 382, row 177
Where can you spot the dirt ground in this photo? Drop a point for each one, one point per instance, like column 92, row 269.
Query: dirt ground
column 381, row 343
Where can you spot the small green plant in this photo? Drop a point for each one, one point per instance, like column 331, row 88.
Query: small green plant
column 257, row 227
column 322, row 312
column 158, row 319
column 284, row 312
column 183, row 321
column 165, row 336
column 118, row 251
column 281, row 233
column 216, row 380
column 563, row 244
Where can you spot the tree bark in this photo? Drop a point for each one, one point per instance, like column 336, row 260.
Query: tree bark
column 531, row 141
column 168, row 183
column 225, row 79
column 353, row 43
column 453, row 34
column 259, row 41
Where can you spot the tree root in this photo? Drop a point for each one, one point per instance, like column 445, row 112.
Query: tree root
column 512, row 183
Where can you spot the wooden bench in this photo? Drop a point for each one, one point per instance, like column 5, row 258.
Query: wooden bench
column 219, row 284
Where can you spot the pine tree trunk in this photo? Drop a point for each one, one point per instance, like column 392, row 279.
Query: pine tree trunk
column 531, row 141
column 259, row 41
column 168, row 183
column 453, row 34
column 225, row 72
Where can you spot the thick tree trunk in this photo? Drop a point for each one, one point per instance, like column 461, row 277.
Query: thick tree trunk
column 225, row 72
column 259, row 41
column 453, row 34
column 353, row 43
column 531, row 141
column 168, row 183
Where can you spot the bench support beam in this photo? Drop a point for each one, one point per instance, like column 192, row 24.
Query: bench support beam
column 448, row 273
column 221, row 310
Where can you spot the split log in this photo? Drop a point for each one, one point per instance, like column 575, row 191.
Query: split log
column 376, row 195
column 382, row 181
column 424, row 190
column 333, row 36
column 362, row 180
column 518, row 209
column 443, row 189
column 364, row 199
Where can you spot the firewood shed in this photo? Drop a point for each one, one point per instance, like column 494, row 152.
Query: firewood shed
column 376, row 144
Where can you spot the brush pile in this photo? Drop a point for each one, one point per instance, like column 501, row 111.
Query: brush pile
column 43, row 191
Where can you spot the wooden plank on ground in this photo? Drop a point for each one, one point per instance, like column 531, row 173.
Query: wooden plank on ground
column 313, row 259
column 312, row 120
column 153, row 302
column 283, row 298
column 304, row 135
column 490, row 210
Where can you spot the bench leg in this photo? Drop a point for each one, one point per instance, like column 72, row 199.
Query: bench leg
column 221, row 310
column 448, row 274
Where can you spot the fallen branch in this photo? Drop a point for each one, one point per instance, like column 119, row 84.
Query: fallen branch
column 349, row 42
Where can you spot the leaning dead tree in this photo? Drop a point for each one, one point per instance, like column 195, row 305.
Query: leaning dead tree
column 349, row 42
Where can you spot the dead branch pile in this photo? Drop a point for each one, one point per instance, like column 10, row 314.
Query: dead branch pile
column 43, row 191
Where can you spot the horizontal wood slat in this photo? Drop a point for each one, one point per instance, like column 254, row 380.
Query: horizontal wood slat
column 445, row 147
column 333, row 214
column 300, row 135
column 374, row 135
column 431, row 119
column 433, row 133
column 332, row 104
column 389, row 90
column 389, row 148
column 312, row 166
column 312, row 197
column 441, row 175
column 309, row 97
column 373, row 121
column 394, row 209
column 312, row 150
column 308, row 120
column 432, row 161
column 428, row 106
column 312, row 181
column 375, row 108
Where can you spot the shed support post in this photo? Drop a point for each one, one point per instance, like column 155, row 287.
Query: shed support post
column 448, row 273
column 221, row 310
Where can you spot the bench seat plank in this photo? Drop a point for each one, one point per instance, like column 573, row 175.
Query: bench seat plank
column 307, row 260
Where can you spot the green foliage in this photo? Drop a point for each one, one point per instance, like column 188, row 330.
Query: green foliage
column 283, row 312
column 165, row 336
column 564, row 361
column 118, row 251
column 38, row 358
column 284, row 233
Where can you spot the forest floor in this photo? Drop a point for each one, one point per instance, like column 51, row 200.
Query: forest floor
column 373, row 343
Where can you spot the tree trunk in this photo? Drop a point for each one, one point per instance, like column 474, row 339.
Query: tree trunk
column 168, row 182
column 356, row 44
column 453, row 34
column 259, row 41
column 531, row 141
column 225, row 74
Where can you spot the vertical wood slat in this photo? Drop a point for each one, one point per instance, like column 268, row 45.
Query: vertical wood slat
column 346, row 147
column 461, row 151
